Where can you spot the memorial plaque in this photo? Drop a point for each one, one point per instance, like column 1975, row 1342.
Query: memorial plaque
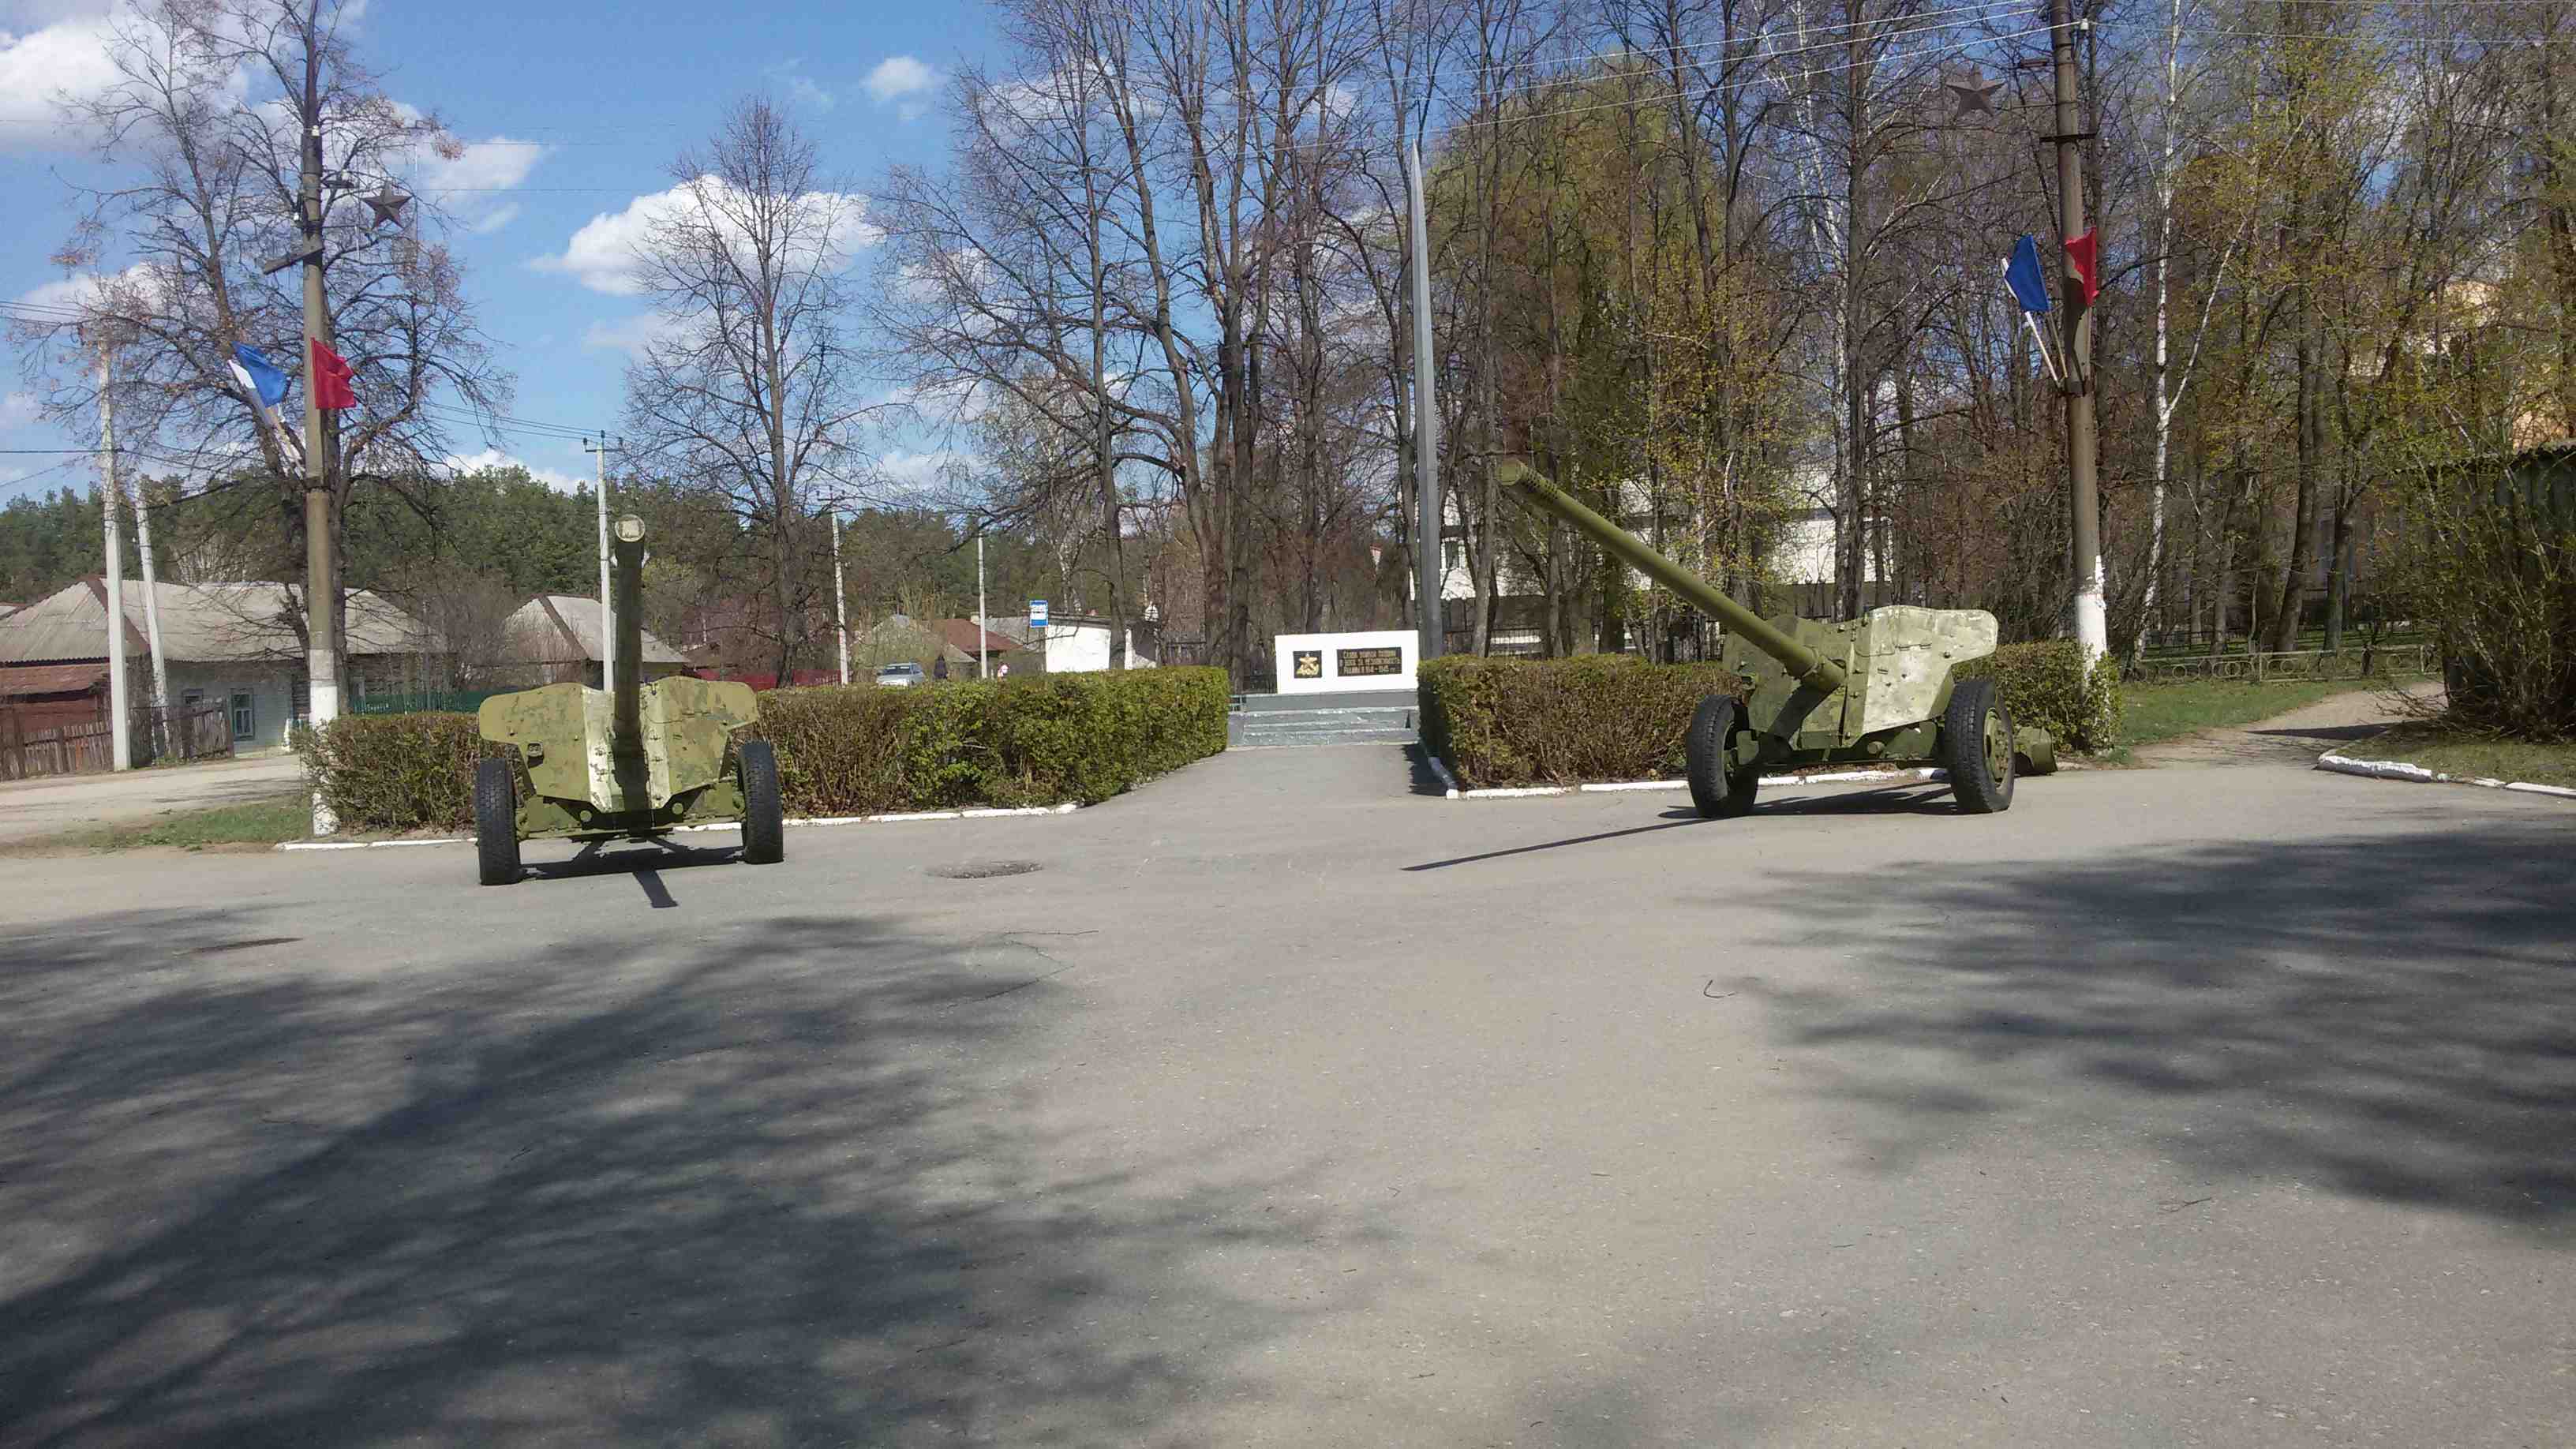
column 1352, row 663
column 1310, row 663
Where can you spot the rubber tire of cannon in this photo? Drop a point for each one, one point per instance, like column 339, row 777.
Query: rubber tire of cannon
column 496, row 823
column 1718, row 792
column 764, row 831
column 1975, row 714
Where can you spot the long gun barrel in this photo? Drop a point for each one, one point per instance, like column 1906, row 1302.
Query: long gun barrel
column 1804, row 664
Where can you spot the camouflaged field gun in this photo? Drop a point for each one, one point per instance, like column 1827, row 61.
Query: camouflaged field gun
column 632, row 763
column 1881, row 689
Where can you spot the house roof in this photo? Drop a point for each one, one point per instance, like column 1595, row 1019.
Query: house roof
column 17, row 681
column 959, row 634
column 200, row 623
column 564, row 628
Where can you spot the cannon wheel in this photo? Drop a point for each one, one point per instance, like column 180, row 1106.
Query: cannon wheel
column 764, row 835
column 496, row 823
column 1977, row 747
column 1717, row 791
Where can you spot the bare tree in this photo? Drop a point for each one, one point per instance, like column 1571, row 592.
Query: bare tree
column 203, row 129
column 753, row 390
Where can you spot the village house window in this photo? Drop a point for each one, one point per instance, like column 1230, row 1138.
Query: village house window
column 245, row 716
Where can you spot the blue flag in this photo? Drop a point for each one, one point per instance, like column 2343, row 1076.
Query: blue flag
column 2029, row 284
column 263, row 375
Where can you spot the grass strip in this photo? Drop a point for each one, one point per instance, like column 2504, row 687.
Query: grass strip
column 2154, row 712
column 2458, row 752
column 250, row 822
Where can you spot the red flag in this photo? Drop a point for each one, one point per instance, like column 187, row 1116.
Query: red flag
column 331, row 389
column 2080, row 254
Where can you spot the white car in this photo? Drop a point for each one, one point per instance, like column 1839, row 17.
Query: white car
column 899, row 676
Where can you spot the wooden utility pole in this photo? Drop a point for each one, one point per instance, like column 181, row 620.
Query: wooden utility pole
column 2092, row 630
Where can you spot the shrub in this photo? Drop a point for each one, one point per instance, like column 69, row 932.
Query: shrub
column 1499, row 722
column 2043, row 684
column 395, row 772
column 2486, row 553
column 853, row 750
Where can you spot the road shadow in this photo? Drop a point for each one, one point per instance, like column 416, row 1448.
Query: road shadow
column 2391, row 1017
column 2327, row 734
column 768, row 1185
column 1426, row 780
column 1910, row 798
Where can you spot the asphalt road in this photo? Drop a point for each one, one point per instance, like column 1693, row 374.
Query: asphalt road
column 1279, row 1106
column 31, row 809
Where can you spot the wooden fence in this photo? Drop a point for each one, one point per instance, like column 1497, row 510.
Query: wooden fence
column 2391, row 661
column 30, row 748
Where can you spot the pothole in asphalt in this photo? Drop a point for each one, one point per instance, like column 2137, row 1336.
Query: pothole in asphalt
column 984, row 869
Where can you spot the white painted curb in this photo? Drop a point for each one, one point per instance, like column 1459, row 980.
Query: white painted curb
column 980, row 813
column 1772, row 782
column 2400, row 770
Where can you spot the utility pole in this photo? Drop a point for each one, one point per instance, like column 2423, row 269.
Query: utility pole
column 607, row 606
column 1426, row 429
column 983, row 635
column 321, row 556
column 2092, row 629
column 119, row 710
column 840, row 595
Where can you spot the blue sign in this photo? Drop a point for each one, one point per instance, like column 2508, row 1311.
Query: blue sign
column 1037, row 613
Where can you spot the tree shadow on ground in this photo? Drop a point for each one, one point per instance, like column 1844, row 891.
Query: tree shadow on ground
column 2390, row 1017
column 765, row 1186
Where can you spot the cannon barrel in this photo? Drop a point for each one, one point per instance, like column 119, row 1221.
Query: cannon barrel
column 629, row 608
column 1803, row 663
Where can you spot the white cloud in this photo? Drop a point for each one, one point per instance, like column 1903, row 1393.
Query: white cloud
column 805, row 93
column 66, row 58
column 17, row 410
column 629, row 335
column 605, row 254
column 491, row 458
column 903, row 82
column 508, row 213
column 910, row 474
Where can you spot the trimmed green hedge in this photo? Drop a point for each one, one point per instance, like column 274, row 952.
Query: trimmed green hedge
column 2043, row 684
column 1497, row 722
column 1504, row 722
column 395, row 772
column 841, row 751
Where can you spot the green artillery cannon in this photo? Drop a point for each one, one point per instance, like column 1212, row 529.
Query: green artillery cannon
column 1878, row 690
column 634, row 763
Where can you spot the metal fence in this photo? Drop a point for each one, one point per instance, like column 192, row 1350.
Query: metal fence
column 2391, row 661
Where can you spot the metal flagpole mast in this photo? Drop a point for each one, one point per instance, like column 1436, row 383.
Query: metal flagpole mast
column 607, row 596
column 119, row 710
column 1426, row 429
column 2092, row 630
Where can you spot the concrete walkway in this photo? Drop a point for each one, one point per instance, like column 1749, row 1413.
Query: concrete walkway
column 1277, row 1105
column 30, row 809
column 2295, row 738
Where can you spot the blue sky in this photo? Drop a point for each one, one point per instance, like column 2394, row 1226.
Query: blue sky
column 574, row 113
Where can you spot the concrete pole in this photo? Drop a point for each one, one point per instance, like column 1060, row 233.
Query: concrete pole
column 120, row 719
column 321, row 558
column 2092, row 628
column 840, row 596
column 1426, row 427
column 983, row 640
column 607, row 596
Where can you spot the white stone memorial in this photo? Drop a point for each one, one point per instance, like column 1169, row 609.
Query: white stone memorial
column 1335, row 663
